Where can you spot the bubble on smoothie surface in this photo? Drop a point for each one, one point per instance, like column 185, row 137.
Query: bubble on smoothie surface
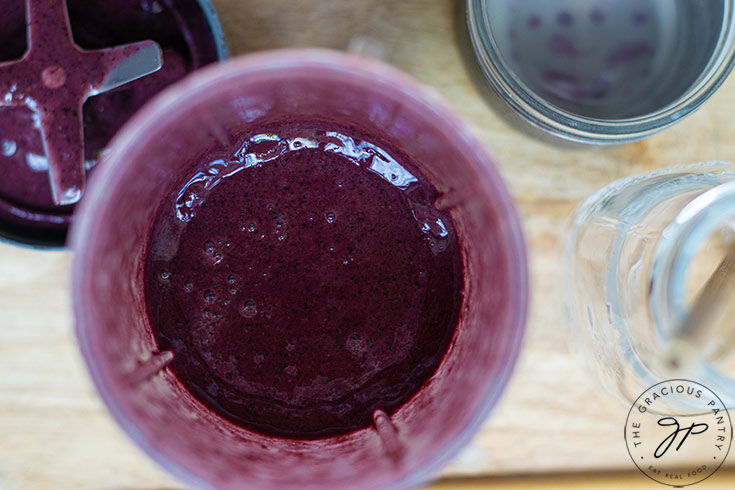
column 8, row 148
column 37, row 163
column 249, row 309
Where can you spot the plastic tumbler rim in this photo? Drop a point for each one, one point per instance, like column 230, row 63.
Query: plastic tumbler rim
column 82, row 234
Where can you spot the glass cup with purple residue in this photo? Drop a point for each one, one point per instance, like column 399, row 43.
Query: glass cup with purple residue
column 206, row 118
column 603, row 71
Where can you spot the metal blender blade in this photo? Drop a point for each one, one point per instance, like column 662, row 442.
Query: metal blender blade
column 54, row 79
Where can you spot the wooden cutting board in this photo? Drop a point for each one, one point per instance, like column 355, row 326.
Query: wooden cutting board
column 54, row 431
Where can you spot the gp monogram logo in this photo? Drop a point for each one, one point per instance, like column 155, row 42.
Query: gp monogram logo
column 678, row 432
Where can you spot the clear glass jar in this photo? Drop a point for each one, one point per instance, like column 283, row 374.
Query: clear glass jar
column 603, row 72
column 638, row 252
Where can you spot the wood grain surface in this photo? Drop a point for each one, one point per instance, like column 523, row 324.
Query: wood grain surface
column 54, row 431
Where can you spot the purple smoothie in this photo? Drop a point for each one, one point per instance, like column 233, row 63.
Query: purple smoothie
column 304, row 281
column 27, row 210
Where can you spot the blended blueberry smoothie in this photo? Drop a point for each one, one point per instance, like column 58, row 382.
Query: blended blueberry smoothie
column 304, row 280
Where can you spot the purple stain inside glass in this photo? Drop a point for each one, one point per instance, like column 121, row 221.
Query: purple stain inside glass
column 597, row 16
column 562, row 45
column 571, row 88
column 639, row 18
column 628, row 52
column 561, row 81
column 512, row 33
column 565, row 18
column 533, row 22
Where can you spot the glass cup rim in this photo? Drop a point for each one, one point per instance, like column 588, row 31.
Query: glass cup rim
column 588, row 130
column 673, row 256
column 679, row 242
column 369, row 72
